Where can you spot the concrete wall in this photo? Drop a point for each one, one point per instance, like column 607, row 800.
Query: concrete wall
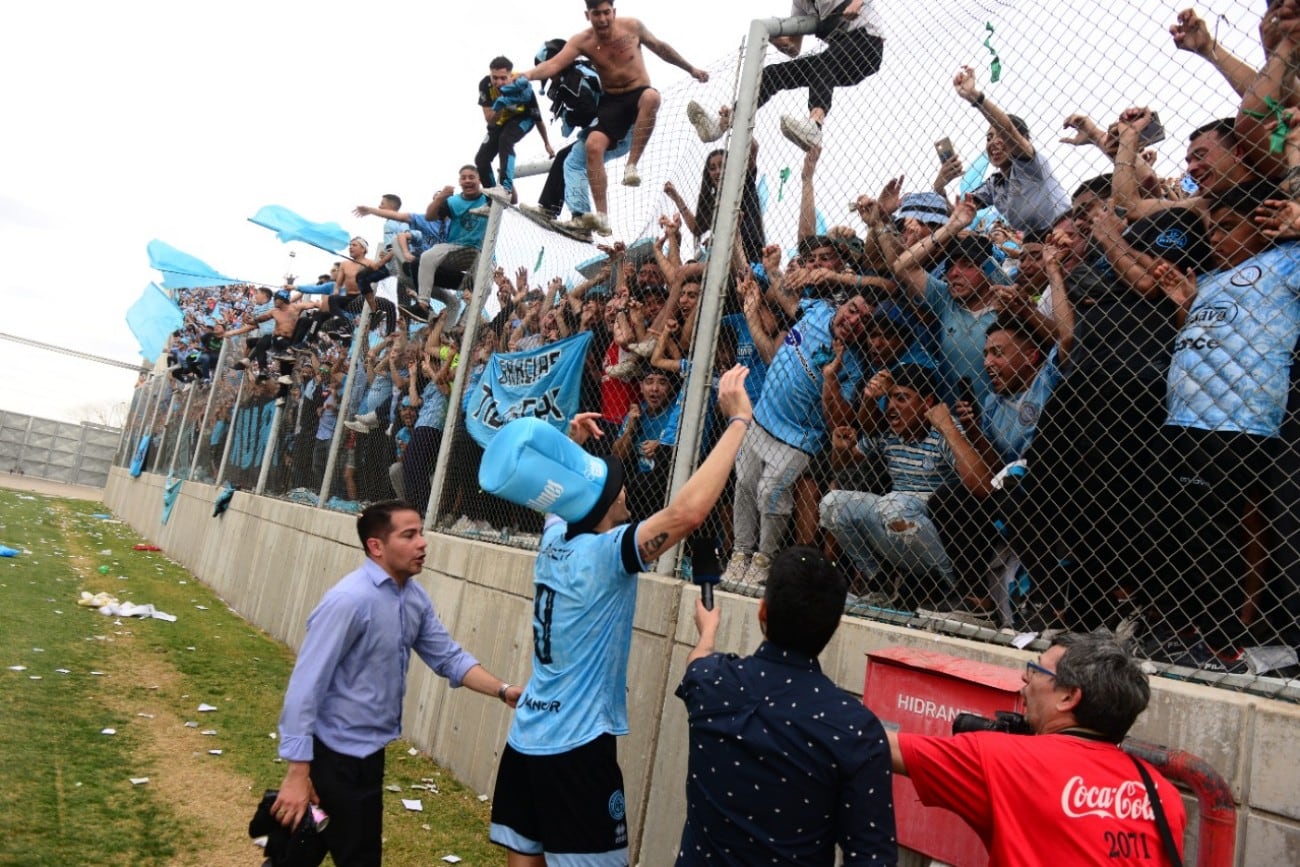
column 77, row 454
column 272, row 560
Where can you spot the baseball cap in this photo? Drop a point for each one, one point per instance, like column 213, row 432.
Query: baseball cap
column 927, row 207
column 1176, row 235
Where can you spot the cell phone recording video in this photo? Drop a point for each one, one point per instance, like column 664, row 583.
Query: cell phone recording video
column 944, row 148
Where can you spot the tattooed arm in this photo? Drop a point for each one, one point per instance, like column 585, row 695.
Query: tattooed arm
column 695, row 500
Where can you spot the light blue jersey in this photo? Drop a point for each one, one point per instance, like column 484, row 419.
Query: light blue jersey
column 915, row 466
column 747, row 355
column 1009, row 421
column 791, row 406
column 1231, row 367
column 433, row 410
column 961, row 334
column 584, row 599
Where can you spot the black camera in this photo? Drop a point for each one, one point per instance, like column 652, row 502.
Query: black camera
column 1005, row 721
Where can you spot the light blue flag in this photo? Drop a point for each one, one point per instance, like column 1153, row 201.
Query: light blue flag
column 536, row 383
column 289, row 226
column 763, row 193
column 181, row 270
column 152, row 319
column 975, row 174
column 821, row 223
column 171, row 490
column 141, row 451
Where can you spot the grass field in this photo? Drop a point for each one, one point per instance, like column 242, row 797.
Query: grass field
column 68, row 674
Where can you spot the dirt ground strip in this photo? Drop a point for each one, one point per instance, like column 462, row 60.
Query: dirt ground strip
column 53, row 489
column 214, row 802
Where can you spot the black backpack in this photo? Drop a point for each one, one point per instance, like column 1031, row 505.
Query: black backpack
column 574, row 92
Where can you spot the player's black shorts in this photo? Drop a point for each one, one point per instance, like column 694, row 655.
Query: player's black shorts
column 570, row 803
column 616, row 113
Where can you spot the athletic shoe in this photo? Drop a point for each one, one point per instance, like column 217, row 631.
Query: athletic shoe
column 357, row 426
column 706, row 123
column 734, row 575
column 802, row 131
column 598, row 223
column 631, row 177
column 498, row 194
column 369, row 419
column 756, row 575
column 575, row 228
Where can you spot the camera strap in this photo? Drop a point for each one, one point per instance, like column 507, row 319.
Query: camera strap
column 1162, row 824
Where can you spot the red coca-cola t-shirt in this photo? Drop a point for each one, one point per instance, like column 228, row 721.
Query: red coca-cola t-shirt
column 1045, row 799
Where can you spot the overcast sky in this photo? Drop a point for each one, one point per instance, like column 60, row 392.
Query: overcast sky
column 177, row 121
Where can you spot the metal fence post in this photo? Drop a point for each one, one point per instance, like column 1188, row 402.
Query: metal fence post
column 230, row 431
column 180, row 437
column 213, row 387
column 694, row 417
column 474, row 314
column 340, row 407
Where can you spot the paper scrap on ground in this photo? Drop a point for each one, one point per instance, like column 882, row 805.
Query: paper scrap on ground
column 145, row 715
column 191, row 725
column 414, row 805
column 412, row 752
column 208, row 732
column 17, row 668
column 33, row 677
column 214, row 752
column 108, row 605
column 1023, row 640
column 63, row 671
column 136, row 781
column 109, row 732
column 205, row 707
column 393, row 787
column 452, row 859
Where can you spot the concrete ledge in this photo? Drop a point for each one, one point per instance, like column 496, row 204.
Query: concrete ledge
column 271, row 561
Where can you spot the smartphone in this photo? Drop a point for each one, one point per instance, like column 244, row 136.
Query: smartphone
column 1153, row 132
column 944, row 148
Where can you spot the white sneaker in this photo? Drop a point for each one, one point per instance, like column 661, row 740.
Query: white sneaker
column 706, row 123
column 498, row 194
column 631, row 177
column 802, row 131
column 598, row 223
column 575, row 228
column 370, row 419
column 734, row 575
column 357, row 427
column 756, row 574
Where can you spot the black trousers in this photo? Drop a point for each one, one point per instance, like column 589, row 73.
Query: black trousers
column 499, row 143
column 849, row 59
column 351, row 792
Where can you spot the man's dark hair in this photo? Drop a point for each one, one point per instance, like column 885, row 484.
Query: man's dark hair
column 501, row 62
column 1098, row 186
column 594, row 4
column 392, row 199
column 1115, row 690
column 1225, row 128
column 1019, row 331
column 376, row 521
column 473, row 168
column 1036, row 236
column 805, row 599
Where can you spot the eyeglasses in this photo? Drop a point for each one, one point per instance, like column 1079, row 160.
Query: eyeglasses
column 1031, row 667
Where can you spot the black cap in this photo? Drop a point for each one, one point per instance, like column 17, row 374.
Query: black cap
column 1176, row 235
column 972, row 248
column 608, row 494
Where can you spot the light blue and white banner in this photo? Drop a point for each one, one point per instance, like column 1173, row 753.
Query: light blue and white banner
column 537, row 383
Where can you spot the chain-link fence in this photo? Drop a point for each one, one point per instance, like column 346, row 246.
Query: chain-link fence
column 1017, row 369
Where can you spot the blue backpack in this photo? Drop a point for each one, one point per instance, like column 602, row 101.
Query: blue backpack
column 574, row 92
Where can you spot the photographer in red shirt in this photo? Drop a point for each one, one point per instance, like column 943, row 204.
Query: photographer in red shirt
column 1067, row 789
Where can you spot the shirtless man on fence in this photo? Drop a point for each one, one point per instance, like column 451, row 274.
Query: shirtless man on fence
column 613, row 45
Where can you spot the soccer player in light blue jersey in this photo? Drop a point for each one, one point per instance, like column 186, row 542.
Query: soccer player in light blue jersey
column 559, row 791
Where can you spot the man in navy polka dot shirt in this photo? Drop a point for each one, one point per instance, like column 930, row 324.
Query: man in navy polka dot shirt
column 784, row 765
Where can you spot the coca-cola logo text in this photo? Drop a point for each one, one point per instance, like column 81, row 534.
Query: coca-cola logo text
column 1128, row 800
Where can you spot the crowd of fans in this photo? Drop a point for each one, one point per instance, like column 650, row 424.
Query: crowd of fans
column 1034, row 405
